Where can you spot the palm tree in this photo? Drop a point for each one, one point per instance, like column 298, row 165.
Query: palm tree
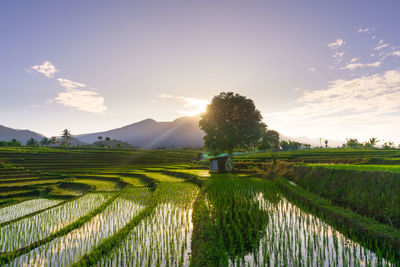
column 66, row 137
column 373, row 141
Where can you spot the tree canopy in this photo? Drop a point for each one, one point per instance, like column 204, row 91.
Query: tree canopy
column 270, row 140
column 231, row 122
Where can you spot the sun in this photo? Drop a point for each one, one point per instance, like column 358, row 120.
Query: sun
column 194, row 106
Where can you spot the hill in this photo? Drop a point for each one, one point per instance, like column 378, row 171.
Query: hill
column 7, row 134
column 182, row 132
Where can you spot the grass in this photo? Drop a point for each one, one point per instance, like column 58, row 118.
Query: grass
column 99, row 185
column 382, row 168
column 160, row 177
column 370, row 193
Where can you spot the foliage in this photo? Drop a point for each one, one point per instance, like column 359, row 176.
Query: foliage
column 293, row 145
column 269, row 140
column 32, row 142
column 231, row 122
column 13, row 142
column 353, row 143
column 66, row 137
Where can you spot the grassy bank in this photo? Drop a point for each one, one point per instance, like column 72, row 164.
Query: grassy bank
column 370, row 193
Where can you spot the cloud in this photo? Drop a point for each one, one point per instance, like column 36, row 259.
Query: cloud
column 361, row 107
column 366, row 30
column 396, row 53
column 353, row 66
column 338, row 43
column 165, row 96
column 47, row 69
column 84, row 100
column 193, row 106
column 354, row 59
column 312, row 69
column 380, row 47
column 338, row 56
column 69, row 85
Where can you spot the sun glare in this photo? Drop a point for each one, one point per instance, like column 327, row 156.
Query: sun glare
column 195, row 106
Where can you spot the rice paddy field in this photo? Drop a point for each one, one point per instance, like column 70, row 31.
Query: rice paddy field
column 85, row 207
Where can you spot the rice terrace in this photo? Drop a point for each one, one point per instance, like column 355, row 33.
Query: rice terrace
column 71, row 206
column 200, row 133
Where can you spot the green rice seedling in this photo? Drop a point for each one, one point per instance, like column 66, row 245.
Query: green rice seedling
column 198, row 172
column 234, row 204
column 162, row 239
column 296, row 238
column 162, row 178
column 26, row 231
column 64, row 250
column 21, row 209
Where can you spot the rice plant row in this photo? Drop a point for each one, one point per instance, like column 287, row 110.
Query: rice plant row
column 162, row 178
column 21, row 209
column 29, row 230
column 164, row 238
column 296, row 238
column 235, row 210
column 256, row 226
column 65, row 250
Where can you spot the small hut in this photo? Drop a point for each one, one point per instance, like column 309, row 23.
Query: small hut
column 218, row 164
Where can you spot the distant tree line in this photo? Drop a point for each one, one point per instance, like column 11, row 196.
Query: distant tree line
column 13, row 142
column 371, row 143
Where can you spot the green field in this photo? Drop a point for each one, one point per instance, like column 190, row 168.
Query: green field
column 88, row 207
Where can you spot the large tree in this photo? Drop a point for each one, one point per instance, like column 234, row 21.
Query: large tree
column 270, row 140
column 231, row 122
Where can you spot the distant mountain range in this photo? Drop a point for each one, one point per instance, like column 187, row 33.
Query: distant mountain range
column 7, row 134
column 182, row 132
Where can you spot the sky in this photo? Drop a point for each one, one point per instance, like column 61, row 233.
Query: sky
column 328, row 69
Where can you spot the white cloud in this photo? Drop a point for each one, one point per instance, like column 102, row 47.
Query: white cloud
column 366, row 30
column 68, row 84
column 396, row 53
column 338, row 43
column 84, row 100
column 193, row 106
column 47, row 69
column 338, row 56
column 354, row 59
column 380, row 47
column 361, row 107
column 312, row 69
column 353, row 66
column 165, row 96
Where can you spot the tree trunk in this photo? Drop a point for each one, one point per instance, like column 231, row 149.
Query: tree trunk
column 230, row 162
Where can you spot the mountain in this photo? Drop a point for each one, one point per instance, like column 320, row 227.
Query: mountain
column 182, row 132
column 7, row 134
